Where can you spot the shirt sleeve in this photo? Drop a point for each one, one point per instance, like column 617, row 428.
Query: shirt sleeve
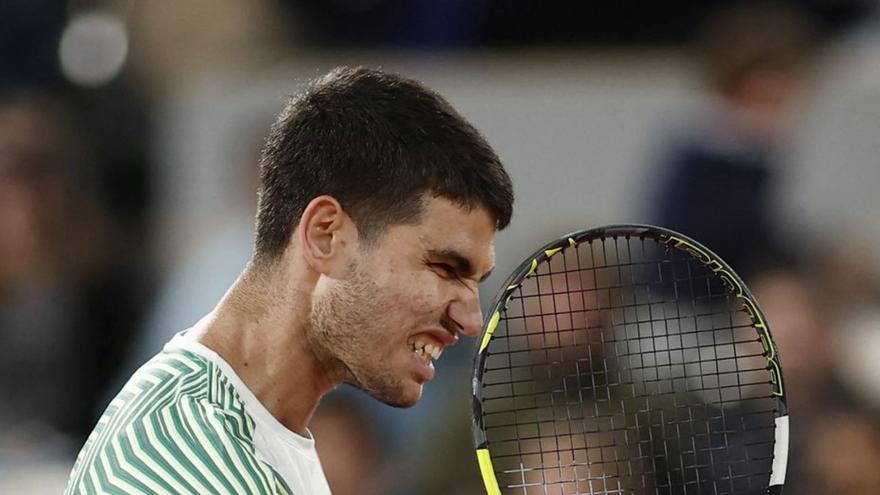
column 188, row 447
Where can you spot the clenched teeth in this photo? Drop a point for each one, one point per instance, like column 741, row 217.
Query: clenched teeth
column 423, row 349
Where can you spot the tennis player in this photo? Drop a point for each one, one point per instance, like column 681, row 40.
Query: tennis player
column 376, row 220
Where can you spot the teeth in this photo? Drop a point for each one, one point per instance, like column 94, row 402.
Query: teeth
column 434, row 351
column 423, row 349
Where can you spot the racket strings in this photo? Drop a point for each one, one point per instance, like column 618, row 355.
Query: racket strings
column 624, row 366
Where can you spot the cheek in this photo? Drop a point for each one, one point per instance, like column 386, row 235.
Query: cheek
column 427, row 294
column 419, row 295
column 412, row 291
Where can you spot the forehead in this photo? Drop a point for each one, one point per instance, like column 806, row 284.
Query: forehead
column 447, row 226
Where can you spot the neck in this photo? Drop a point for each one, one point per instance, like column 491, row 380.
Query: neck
column 260, row 328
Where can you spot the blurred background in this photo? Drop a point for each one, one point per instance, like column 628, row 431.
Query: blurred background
column 129, row 134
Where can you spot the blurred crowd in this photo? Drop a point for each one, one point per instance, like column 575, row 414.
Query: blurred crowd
column 719, row 176
column 117, row 230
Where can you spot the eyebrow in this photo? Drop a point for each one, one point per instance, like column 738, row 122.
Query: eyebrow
column 462, row 264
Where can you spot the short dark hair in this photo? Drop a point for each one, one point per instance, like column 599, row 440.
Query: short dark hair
column 376, row 142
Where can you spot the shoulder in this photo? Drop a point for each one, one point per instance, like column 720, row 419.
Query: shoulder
column 175, row 428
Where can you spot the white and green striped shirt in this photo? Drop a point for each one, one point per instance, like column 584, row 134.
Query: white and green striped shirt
column 186, row 423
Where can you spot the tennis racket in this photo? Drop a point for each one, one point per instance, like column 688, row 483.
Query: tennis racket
column 628, row 359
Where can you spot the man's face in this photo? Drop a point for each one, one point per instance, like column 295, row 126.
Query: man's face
column 406, row 298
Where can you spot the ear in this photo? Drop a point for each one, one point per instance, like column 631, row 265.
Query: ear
column 327, row 237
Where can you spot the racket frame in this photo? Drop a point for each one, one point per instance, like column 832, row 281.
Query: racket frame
column 673, row 240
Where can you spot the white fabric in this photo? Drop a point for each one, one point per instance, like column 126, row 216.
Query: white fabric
column 293, row 456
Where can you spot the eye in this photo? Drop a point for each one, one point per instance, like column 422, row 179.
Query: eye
column 445, row 270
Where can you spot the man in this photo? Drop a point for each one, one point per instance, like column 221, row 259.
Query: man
column 377, row 213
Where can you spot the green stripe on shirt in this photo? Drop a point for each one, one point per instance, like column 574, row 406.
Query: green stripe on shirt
column 178, row 426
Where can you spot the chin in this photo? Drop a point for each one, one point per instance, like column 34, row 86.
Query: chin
column 402, row 398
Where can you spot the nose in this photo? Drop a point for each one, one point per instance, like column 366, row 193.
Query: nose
column 465, row 311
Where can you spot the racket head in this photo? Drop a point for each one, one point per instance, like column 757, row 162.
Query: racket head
column 638, row 325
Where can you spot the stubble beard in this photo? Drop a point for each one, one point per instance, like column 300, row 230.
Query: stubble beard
column 347, row 326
